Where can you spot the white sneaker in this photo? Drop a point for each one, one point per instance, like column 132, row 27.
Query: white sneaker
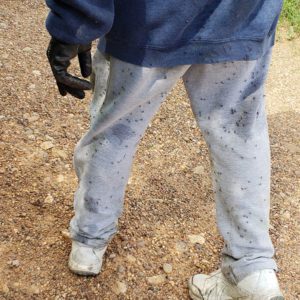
column 260, row 285
column 85, row 260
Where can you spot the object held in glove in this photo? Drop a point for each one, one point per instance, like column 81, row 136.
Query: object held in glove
column 59, row 55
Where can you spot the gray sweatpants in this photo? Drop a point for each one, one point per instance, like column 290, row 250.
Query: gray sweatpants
column 228, row 103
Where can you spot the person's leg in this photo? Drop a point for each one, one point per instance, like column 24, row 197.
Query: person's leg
column 104, row 155
column 228, row 102
column 99, row 80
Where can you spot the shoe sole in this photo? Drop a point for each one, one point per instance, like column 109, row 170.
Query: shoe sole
column 200, row 297
column 197, row 297
column 82, row 270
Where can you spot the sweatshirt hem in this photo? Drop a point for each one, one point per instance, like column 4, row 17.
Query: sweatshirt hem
column 192, row 53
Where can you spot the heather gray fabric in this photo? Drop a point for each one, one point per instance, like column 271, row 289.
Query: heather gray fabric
column 228, row 104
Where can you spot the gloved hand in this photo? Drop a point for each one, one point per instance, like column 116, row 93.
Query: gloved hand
column 59, row 55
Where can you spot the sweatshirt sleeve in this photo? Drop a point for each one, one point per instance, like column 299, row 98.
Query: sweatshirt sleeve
column 79, row 21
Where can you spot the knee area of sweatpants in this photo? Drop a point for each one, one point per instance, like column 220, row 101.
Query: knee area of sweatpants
column 239, row 131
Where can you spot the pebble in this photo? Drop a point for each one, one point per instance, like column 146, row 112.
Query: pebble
column 31, row 137
column 59, row 153
column 14, row 263
column 167, row 268
column 3, row 25
column 36, row 72
column 34, row 289
column 46, row 145
column 120, row 269
column 130, row 258
column 60, row 178
column 40, row 154
column 27, row 49
column 66, row 234
column 4, row 288
column 286, row 215
column 49, row 199
column 199, row 170
column 157, row 279
column 31, row 118
column 120, row 288
column 197, row 239
column 181, row 246
column 140, row 244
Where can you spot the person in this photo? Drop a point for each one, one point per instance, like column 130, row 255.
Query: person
column 222, row 50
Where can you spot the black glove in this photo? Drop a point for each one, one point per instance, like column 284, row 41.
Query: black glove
column 59, row 55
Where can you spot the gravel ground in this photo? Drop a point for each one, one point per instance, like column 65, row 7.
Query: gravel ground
column 168, row 230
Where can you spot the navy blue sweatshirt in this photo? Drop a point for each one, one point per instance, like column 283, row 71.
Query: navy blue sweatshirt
column 162, row 33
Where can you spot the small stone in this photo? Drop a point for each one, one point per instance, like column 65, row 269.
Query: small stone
column 157, row 279
column 14, row 263
column 66, row 234
column 197, row 239
column 198, row 247
column 60, row 178
column 120, row 269
column 120, row 288
column 31, row 137
column 112, row 255
column 59, row 153
column 181, row 246
column 167, row 268
column 3, row 25
column 140, row 244
column 4, row 288
column 31, row 86
column 130, row 258
column 36, row 72
column 286, row 215
column 49, row 138
column 26, row 115
column 35, row 290
column 31, row 118
column 129, row 180
column 27, row 49
column 46, row 145
column 40, row 154
column 199, row 170
column 49, row 199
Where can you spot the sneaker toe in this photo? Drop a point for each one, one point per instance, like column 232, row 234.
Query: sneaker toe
column 197, row 285
column 83, row 263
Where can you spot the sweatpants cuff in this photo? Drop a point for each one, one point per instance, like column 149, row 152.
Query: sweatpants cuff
column 92, row 242
column 235, row 275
